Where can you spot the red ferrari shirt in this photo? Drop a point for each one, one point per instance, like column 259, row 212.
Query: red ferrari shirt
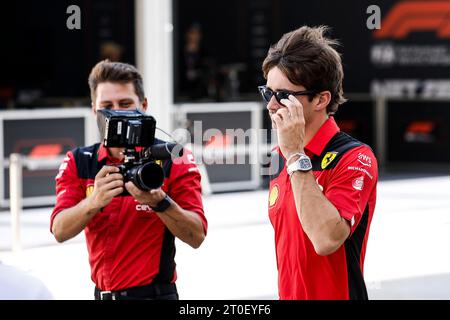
column 128, row 244
column 346, row 172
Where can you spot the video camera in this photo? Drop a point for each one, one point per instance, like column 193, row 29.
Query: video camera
column 131, row 129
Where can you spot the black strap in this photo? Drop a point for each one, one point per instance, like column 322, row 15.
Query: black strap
column 340, row 144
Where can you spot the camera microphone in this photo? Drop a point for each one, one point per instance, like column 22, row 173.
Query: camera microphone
column 166, row 150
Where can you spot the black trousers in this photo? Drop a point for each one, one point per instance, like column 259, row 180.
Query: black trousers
column 157, row 291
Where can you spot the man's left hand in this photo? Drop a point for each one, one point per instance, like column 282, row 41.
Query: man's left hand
column 152, row 197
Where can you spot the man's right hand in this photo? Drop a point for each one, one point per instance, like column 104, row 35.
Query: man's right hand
column 69, row 222
column 108, row 184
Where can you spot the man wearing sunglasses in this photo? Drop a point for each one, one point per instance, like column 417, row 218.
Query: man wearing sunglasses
column 323, row 182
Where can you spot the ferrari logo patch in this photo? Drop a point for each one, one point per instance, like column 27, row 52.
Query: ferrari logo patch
column 329, row 157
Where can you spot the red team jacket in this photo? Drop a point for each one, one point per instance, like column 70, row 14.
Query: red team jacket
column 128, row 244
column 346, row 172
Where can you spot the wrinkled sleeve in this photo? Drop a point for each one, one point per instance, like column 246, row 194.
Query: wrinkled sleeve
column 69, row 190
column 353, row 183
column 185, row 185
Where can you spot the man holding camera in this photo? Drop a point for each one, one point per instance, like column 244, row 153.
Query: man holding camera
column 130, row 238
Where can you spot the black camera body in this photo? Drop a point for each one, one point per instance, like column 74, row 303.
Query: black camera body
column 135, row 131
column 126, row 128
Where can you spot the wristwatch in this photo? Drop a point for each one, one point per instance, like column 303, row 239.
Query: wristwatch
column 163, row 204
column 301, row 164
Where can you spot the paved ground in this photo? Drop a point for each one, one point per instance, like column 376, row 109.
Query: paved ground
column 407, row 254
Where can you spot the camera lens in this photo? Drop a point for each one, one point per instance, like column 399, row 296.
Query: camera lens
column 148, row 176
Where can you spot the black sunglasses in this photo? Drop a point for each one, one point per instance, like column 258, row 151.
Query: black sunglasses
column 268, row 93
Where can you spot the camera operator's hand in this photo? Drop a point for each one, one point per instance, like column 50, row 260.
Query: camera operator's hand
column 108, row 184
column 71, row 221
column 183, row 224
column 152, row 197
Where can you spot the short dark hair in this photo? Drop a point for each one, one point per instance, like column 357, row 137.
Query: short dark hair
column 308, row 58
column 116, row 72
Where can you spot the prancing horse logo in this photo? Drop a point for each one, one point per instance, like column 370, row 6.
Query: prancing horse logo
column 329, row 157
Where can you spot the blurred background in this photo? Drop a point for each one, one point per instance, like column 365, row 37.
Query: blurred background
column 201, row 61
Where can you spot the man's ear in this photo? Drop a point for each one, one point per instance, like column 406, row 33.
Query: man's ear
column 144, row 104
column 323, row 101
column 94, row 111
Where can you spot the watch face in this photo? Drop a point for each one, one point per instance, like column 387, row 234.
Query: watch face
column 305, row 164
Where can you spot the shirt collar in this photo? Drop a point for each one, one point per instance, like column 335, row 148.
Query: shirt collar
column 322, row 137
column 103, row 153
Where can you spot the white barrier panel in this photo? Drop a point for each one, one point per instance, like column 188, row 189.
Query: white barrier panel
column 231, row 164
column 42, row 137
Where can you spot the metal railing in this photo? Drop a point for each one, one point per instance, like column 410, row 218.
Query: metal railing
column 15, row 196
column 16, row 164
